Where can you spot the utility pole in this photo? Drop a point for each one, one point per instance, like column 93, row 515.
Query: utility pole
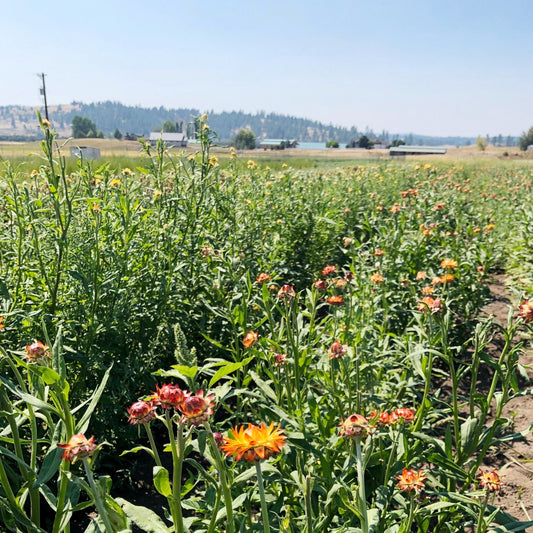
column 43, row 93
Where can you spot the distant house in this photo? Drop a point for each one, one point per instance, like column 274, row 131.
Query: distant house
column 277, row 144
column 170, row 139
column 85, row 152
column 132, row 136
column 406, row 149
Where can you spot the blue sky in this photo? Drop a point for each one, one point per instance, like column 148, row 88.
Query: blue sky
column 461, row 67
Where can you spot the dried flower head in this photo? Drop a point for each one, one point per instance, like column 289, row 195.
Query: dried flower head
column 77, row 447
column 280, row 359
column 320, row 285
column 377, row 278
column 254, row 443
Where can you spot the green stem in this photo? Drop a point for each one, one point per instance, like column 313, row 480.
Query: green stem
column 152, row 444
column 411, row 513
column 174, row 500
column 264, row 509
column 361, row 482
column 96, row 496
column 308, row 505
column 226, row 489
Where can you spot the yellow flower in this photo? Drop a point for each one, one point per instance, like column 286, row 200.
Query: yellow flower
column 449, row 264
column 115, row 183
column 254, row 443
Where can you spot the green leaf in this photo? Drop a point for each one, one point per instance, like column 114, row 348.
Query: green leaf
column 228, row 369
column 83, row 423
column 143, row 517
column 49, row 467
column 161, row 481
column 265, row 388
column 468, row 430
column 138, row 449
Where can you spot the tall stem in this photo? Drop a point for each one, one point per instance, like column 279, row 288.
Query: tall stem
column 176, row 445
column 264, row 509
column 361, row 481
column 152, row 444
column 96, row 495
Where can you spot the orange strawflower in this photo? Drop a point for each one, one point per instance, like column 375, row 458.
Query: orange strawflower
column 320, row 285
column 263, row 278
column 449, row 264
column 421, row 275
column 403, row 414
column 250, row 339
column 429, row 304
column 377, row 278
column 526, row 311
column 490, row 480
column 381, row 418
column 428, row 290
column 337, row 350
column 379, row 252
column 447, row 278
column 329, row 269
column 2, row 323
column 335, row 300
column 410, row 480
column 254, row 443
column 77, row 447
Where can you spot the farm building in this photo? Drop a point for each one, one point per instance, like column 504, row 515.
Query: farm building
column 85, row 152
column 277, row 144
column 170, row 139
column 416, row 150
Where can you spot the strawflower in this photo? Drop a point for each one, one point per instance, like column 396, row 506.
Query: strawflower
column 141, row 412
column 403, row 414
column 250, row 339
column 196, row 408
column 354, row 426
column 2, row 323
column 287, row 293
column 377, row 278
column 36, row 351
column 490, row 480
column 337, row 350
column 77, row 447
column 430, row 304
column 335, row 300
column 410, row 480
column 449, row 264
column 329, row 269
column 263, row 278
column 254, row 443
column 526, row 311
column 168, row 396
column 320, row 285
column 280, row 359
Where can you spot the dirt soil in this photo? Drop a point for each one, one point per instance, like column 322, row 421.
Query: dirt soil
column 515, row 462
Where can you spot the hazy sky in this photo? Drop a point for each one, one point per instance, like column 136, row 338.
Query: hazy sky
column 448, row 67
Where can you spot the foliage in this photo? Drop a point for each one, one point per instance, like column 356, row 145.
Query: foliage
column 245, row 140
column 332, row 144
column 526, row 139
column 82, row 128
column 342, row 303
column 398, row 142
column 117, row 135
column 481, row 144
column 365, row 142
column 169, row 127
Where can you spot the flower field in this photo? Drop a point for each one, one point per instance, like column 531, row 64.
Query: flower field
column 287, row 350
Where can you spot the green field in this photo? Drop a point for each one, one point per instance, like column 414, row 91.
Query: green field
column 296, row 341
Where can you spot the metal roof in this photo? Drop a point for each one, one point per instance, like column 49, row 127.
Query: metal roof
column 156, row 135
column 404, row 149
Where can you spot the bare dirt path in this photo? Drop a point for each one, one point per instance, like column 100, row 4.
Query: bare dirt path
column 515, row 461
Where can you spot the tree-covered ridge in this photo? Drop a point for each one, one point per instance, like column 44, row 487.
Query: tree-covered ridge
column 111, row 116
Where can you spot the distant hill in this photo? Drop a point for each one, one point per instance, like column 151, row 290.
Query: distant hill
column 20, row 122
